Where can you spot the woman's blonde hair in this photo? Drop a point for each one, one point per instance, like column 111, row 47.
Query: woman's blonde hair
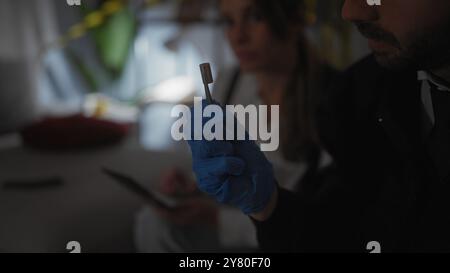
column 298, row 133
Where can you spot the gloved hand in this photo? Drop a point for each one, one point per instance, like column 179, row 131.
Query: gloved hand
column 233, row 172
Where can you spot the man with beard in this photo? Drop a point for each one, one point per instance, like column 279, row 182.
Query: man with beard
column 387, row 125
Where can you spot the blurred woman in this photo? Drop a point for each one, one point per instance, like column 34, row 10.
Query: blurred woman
column 277, row 66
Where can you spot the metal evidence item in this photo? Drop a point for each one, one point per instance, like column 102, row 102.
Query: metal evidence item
column 207, row 77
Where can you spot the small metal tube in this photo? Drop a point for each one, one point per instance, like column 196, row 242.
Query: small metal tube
column 207, row 78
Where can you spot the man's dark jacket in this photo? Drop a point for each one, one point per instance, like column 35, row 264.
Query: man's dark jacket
column 383, row 186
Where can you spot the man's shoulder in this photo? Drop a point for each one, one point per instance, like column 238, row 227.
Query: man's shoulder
column 358, row 81
column 367, row 71
column 367, row 63
column 366, row 79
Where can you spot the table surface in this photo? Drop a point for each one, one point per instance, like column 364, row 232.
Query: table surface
column 89, row 207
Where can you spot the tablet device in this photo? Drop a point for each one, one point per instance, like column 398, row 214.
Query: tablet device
column 155, row 199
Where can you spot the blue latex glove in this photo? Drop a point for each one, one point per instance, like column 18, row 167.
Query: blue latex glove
column 233, row 172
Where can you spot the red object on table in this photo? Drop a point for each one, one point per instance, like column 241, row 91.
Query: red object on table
column 73, row 132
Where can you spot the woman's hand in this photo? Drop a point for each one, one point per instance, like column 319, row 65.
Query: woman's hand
column 175, row 183
column 192, row 211
column 194, row 208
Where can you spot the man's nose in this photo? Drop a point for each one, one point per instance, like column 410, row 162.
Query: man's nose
column 359, row 10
